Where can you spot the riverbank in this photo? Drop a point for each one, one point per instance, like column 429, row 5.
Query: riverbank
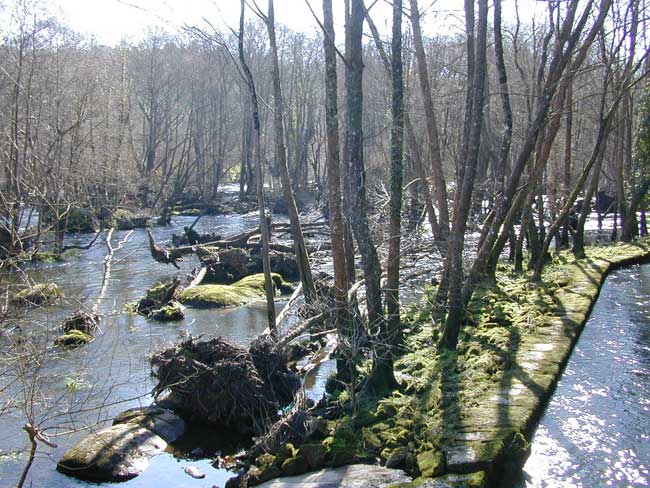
column 465, row 418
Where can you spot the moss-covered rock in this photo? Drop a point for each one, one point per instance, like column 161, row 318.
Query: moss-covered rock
column 158, row 420
column 117, row 453
column 124, row 219
column 171, row 312
column 73, row 338
column 242, row 292
column 81, row 219
column 81, row 320
column 314, row 454
column 294, row 465
column 431, row 463
column 39, row 294
column 285, row 452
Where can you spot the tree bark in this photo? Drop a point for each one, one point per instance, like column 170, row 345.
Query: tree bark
column 440, row 186
column 476, row 83
column 381, row 377
column 259, row 178
column 304, row 269
column 337, row 231
column 360, row 225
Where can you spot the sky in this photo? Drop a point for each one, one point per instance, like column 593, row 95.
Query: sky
column 111, row 21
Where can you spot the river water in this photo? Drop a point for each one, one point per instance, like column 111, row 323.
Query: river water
column 111, row 374
column 596, row 429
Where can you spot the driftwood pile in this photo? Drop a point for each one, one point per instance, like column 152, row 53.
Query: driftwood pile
column 223, row 384
column 234, row 263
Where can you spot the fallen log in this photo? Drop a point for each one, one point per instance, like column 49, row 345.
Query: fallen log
column 161, row 254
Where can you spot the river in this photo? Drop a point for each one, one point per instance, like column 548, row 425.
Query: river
column 596, row 429
column 111, row 374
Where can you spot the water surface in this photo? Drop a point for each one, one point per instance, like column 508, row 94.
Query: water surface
column 596, row 429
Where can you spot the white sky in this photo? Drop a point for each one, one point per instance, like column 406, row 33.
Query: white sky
column 110, row 21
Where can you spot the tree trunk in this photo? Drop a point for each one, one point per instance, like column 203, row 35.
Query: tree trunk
column 476, row 83
column 302, row 258
column 360, row 225
column 341, row 278
column 440, row 186
column 381, row 377
column 259, row 178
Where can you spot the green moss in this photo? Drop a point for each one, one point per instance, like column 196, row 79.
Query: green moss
column 285, row 452
column 431, row 463
column 517, row 336
column 38, row 294
column 171, row 312
column 294, row 465
column 243, row 291
column 44, row 257
column 73, row 338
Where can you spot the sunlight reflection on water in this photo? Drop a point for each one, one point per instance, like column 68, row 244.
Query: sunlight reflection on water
column 595, row 431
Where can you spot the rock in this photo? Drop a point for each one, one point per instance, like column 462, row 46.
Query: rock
column 171, row 312
column 218, row 296
column 81, row 219
column 194, row 472
column 314, row 454
column 472, row 480
column 74, row 338
column 126, row 220
column 259, row 475
column 161, row 422
column 294, row 465
column 431, row 463
column 401, row 458
column 38, row 294
column 352, row 476
column 117, row 453
column 233, row 264
column 82, row 321
column 285, row 452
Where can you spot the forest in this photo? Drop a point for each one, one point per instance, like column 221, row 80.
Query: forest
column 390, row 178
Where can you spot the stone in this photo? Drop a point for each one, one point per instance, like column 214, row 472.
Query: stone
column 314, row 454
column 471, row 480
column 352, row 476
column 74, row 338
column 194, row 472
column 431, row 463
column 401, row 458
column 117, row 453
column 294, row 465
column 158, row 420
column 38, row 294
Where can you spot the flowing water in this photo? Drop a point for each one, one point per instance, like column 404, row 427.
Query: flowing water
column 111, row 374
column 596, row 429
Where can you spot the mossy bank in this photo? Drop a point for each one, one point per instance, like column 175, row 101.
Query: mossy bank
column 465, row 418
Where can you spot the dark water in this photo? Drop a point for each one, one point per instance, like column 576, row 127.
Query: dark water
column 596, row 430
column 111, row 374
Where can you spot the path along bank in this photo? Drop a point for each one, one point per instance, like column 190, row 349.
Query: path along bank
column 464, row 418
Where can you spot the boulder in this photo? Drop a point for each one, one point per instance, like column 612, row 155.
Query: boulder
column 242, row 292
column 234, row 263
column 81, row 320
column 158, row 420
column 169, row 313
column 38, row 294
column 117, row 453
column 126, row 220
column 73, row 338
column 353, row 476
